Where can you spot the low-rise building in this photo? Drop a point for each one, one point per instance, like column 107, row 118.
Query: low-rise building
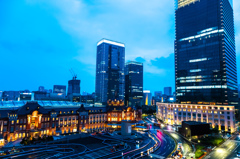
column 19, row 119
column 117, row 112
column 220, row 116
column 193, row 128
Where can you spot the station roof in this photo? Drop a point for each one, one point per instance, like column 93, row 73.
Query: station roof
column 45, row 104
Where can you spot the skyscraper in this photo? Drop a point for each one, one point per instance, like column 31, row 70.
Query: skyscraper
column 74, row 86
column 134, row 83
column 110, row 71
column 168, row 91
column 205, row 57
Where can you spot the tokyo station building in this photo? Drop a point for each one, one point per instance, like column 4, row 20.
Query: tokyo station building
column 19, row 119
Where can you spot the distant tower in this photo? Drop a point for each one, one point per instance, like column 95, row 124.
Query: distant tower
column 41, row 89
column 74, row 88
column 110, row 71
column 134, row 83
column 168, row 91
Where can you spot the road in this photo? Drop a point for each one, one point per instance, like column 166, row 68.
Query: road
column 227, row 150
column 167, row 143
column 187, row 148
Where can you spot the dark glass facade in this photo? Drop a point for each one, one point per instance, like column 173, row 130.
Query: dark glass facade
column 110, row 71
column 134, row 83
column 73, row 86
column 205, row 57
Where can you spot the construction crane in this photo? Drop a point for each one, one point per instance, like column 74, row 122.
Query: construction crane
column 73, row 74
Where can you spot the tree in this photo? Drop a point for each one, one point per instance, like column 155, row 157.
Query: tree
column 215, row 130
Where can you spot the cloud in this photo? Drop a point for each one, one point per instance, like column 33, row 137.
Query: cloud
column 63, row 34
column 143, row 26
column 160, row 74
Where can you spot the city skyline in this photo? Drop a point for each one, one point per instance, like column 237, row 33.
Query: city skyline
column 43, row 59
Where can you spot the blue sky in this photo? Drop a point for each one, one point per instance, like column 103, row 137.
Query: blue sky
column 41, row 40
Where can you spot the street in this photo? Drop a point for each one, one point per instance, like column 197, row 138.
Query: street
column 226, row 151
column 167, row 143
column 187, row 148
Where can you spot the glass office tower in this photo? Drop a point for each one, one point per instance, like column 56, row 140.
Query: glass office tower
column 134, row 83
column 205, row 57
column 110, row 71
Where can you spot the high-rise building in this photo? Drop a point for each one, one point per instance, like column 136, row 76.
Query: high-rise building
column 168, row 91
column 134, row 83
column 147, row 97
column 73, row 86
column 109, row 71
column 74, row 90
column 41, row 89
column 205, row 57
column 59, row 89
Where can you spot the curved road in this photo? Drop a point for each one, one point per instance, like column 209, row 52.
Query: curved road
column 167, row 143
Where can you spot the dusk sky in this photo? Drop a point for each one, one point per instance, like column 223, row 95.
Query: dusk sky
column 40, row 40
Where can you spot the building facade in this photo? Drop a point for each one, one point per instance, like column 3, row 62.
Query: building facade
column 21, row 119
column 61, row 89
column 222, row 117
column 110, row 71
column 74, row 90
column 89, row 98
column 168, row 91
column 134, row 83
column 147, row 95
column 118, row 112
column 73, row 86
column 11, row 95
column 205, row 57
column 26, row 96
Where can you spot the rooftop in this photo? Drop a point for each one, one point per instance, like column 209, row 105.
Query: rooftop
column 134, row 63
column 207, row 105
column 110, row 42
column 46, row 104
